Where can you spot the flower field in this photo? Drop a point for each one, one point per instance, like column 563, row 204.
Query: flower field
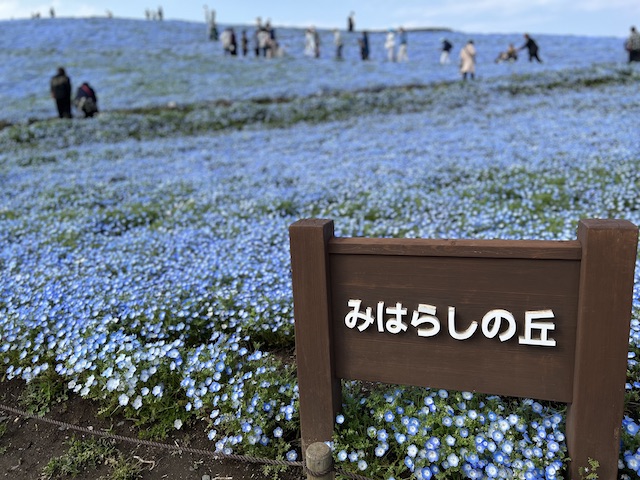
column 145, row 252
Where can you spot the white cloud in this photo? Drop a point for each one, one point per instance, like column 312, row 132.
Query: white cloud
column 600, row 5
column 15, row 9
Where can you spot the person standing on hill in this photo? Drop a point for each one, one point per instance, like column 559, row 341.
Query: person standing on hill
column 364, row 45
column 633, row 45
column 337, row 41
column 351, row 24
column 244, row 40
column 531, row 45
column 61, row 92
column 390, row 45
column 316, row 39
column 402, row 49
column 468, row 60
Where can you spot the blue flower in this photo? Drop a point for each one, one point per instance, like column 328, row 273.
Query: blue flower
column 453, row 460
column 491, row 470
column 291, row 455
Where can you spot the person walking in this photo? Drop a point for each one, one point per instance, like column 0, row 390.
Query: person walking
column 402, row 49
column 532, row 47
column 351, row 23
column 316, row 41
column 244, row 41
column 390, row 45
column 364, row 45
column 468, row 60
column 309, row 42
column 61, row 92
column 632, row 45
column 337, row 41
column 447, row 46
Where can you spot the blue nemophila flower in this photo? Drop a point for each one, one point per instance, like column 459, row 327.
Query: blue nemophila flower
column 291, row 455
column 408, row 461
column 412, row 451
column 425, row 473
column 400, row 437
column 453, row 460
column 633, row 461
column 381, row 449
column 432, row 456
column 491, row 470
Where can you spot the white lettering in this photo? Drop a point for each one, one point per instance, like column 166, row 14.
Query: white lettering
column 429, row 317
column 351, row 318
column 530, row 324
column 395, row 324
column 492, row 322
column 380, row 316
column 452, row 327
column 495, row 323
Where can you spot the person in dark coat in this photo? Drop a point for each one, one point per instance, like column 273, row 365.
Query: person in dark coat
column 632, row 45
column 61, row 92
column 531, row 45
column 86, row 100
column 244, row 40
column 351, row 23
column 364, row 46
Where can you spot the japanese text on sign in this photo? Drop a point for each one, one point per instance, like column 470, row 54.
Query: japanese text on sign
column 497, row 322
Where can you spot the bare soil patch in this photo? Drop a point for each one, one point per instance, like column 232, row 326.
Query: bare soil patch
column 29, row 444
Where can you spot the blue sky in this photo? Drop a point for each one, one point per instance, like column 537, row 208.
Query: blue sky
column 575, row 17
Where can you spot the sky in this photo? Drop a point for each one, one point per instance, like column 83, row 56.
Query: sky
column 565, row 17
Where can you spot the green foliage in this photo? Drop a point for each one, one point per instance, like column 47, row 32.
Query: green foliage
column 41, row 393
column 124, row 469
column 82, row 455
column 3, row 430
column 590, row 472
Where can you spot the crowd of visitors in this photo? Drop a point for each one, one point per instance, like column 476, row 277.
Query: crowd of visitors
column 264, row 43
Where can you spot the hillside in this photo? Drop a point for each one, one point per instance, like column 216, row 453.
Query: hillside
column 146, row 276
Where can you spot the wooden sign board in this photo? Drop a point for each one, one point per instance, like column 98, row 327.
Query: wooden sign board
column 539, row 319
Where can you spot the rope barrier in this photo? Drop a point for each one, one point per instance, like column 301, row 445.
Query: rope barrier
column 177, row 448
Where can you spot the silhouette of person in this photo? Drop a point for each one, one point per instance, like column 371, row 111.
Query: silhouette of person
column 61, row 92
column 532, row 47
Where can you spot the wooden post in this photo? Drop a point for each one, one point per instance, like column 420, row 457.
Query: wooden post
column 319, row 462
column 320, row 390
column 594, row 418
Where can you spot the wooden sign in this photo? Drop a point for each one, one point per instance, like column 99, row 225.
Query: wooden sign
column 539, row 319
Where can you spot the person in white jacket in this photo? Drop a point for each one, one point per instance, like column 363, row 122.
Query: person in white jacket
column 468, row 60
column 390, row 45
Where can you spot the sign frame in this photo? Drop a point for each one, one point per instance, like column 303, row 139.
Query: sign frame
column 587, row 283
